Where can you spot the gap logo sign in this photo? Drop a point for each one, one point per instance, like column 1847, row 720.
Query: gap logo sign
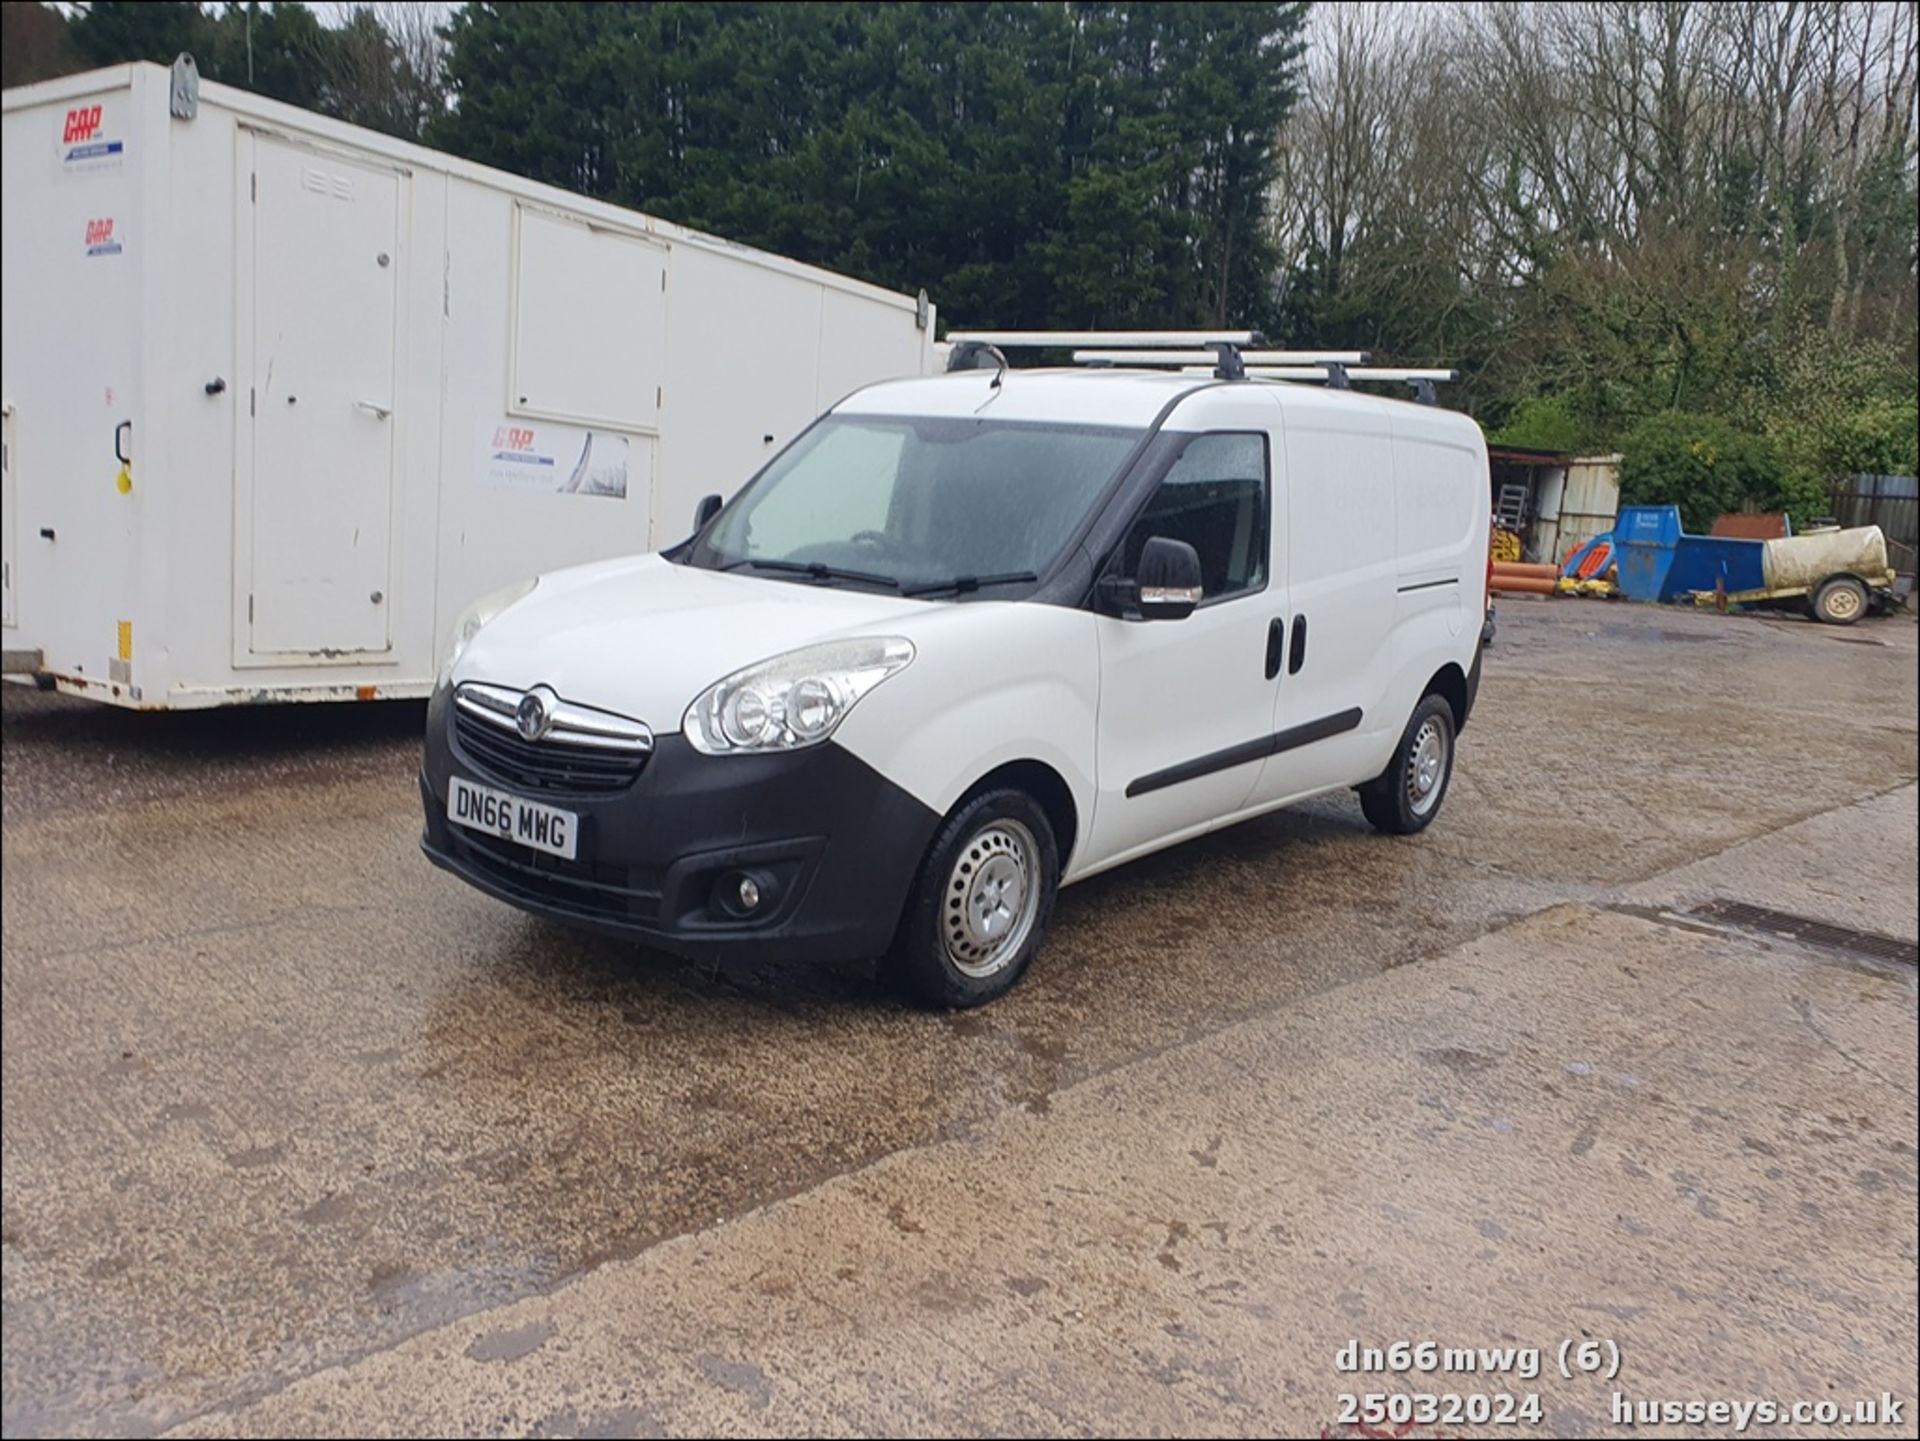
column 86, row 141
column 515, row 442
column 101, row 239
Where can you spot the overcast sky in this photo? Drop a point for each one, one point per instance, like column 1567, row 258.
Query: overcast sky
column 335, row 12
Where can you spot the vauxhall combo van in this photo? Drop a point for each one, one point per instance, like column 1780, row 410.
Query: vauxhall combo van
column 967, row 639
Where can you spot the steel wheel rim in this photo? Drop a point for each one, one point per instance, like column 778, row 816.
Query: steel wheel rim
column 1427, row 766
column 991, row 898
column 1843, row 602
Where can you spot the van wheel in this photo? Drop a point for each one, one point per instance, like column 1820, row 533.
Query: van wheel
column 980, row 907
column 1841, row 601
column 1406, row 796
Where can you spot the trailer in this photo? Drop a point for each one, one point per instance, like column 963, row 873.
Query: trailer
column 1836, row 575
column 283, row 395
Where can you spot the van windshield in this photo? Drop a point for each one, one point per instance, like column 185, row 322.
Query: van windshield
column 918, row 503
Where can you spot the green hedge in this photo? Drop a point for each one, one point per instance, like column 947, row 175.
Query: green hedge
column 1707, row 467
column 1543, row 422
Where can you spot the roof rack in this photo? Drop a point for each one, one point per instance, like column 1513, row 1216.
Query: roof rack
column 1226, row 354
column 1223, row 347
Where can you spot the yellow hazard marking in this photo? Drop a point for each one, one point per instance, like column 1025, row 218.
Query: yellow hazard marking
column 126, row 640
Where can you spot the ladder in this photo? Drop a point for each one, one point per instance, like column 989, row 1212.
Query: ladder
column 1225, row 354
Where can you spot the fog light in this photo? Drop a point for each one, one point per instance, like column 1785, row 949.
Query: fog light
column 743, row 895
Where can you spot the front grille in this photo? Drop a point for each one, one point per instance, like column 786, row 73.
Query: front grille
column 555, row 766
column 598, row 891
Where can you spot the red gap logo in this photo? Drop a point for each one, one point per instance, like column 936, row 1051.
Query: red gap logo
column 81, row 124
column 100, row 239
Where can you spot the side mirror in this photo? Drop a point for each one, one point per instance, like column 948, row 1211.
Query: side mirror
column 705, row 511
column 1169, row 579
column 1167, row 587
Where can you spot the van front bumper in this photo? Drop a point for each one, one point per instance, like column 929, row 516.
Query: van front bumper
column 831, row 844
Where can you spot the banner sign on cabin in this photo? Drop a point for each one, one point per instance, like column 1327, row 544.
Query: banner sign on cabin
column 558, row 459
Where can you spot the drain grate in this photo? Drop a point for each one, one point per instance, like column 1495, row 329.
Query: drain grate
column 1808, row 930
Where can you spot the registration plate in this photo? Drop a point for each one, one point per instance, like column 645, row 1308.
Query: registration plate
column 513, row 818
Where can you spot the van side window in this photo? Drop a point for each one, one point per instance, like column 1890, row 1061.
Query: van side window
column 1215, row 499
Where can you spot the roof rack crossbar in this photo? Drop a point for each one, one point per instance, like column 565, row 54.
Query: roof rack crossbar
column 1201, row 357
column 1064, row 339
column 1354, row 372
column 1420, row 381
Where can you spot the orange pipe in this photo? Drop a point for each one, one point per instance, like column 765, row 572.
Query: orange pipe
column 1519, row 568
column 1524, row 585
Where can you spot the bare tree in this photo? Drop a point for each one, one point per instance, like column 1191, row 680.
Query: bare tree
column 386, row 68
column 1771, row 143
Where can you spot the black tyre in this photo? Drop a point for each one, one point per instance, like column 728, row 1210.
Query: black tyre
column 980, row 906
column 1406, row 796
column 1840, row 601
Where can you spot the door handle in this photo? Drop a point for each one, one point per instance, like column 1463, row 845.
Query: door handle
column 1297, row 656
column 1276, row 644
column 380, row 412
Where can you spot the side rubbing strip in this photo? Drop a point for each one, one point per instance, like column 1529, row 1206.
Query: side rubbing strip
column 1286, row 740
column 1318, row 730
column 1428, row 585
column 1205, row 766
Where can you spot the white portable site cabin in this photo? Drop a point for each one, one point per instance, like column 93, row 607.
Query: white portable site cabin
column 282, row 395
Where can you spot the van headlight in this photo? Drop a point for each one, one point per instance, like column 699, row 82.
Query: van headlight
column 468, row 624
column 792, row 700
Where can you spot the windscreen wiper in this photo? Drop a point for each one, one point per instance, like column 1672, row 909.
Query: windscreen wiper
column 818, row 571
column 963, row 583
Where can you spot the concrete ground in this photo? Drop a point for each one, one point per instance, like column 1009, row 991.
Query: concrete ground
column 301, row 1135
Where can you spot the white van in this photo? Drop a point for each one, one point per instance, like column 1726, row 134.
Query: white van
column 967, row 639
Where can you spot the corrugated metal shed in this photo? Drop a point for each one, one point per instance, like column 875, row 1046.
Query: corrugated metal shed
column 1891, row 502
column 1575, row 503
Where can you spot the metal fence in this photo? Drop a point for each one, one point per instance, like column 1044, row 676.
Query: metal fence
column 1891, row 502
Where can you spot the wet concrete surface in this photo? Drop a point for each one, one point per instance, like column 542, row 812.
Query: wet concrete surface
column 279, row 1096
column 1185, row 1245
